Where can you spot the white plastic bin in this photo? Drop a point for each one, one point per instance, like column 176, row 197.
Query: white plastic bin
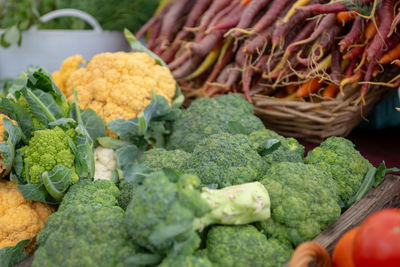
column 49, row 48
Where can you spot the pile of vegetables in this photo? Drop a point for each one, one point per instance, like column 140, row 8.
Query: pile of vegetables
column 290, row 49
column 204, row 186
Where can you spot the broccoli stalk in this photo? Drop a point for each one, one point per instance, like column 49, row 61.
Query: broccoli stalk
column 234, row 205
column 167, row 209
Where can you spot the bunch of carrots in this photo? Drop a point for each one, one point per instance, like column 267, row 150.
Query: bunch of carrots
column 285, row 48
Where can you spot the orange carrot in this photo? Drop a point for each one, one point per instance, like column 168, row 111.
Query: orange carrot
column 397, row 62
column 345, row 16
column 391, row 55
column 245, row 2
column 370, row 31
column 309, row 87
column 330, row 92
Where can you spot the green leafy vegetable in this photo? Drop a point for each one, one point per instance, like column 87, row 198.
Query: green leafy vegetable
column 57, row 181
column 10, row 256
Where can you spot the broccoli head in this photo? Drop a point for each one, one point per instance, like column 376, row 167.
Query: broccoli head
column 167, row 209
column 245, row 246
column 87, row 230
column 304, row 201
column 289, row 150
column 208, row 116
column 158, row 158
column 48, row 148
column 224, row 159
column 338, row 156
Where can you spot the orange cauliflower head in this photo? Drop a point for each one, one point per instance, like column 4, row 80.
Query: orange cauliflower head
column 20, row 219
column 115, row 85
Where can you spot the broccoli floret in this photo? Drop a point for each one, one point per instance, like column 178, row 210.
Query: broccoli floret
column 304, row 201
column 158, row 158
column 245, row 246
column 208, row 116
column 87, row 230
column 224, row 159
column 126, row 188
column 48, row 148
column 186, row 261
column 167, row 209
column 289, row 150
column 338, row 156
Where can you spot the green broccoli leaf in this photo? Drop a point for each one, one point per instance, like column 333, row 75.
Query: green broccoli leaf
column 268, row 147
column 65, row 123
column 7, row 148
column 368, row 182
column 39, row 106
column 19, row 114
column 14, row 133
column 381, row 173
column 84, row 157
column 126, row 156
column 136, row 173
column 35, row 192
column 57, row 181
column 10, row 256
column 144, row 259
column 93, row 123
column 109, row 142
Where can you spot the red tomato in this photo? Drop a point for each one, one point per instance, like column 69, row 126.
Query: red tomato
column 377, row 243
column 343, row 254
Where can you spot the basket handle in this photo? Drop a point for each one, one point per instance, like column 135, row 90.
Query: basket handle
column 70, row 12
column 309, row 251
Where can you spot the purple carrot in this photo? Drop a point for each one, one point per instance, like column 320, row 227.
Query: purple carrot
column 368, row 76
column 247, row 73
column 170, row 18
column 207, row 44
column 351, row 67
column 336, row 68
column 306, row 31
column 227, row 10
column 282, row 30
column 354, row 52
column 326, row 23
column 229, row 22
column 215, row 8
column 154, row 34
column 223, row 75
column 332, row 7
column 385, row 17
column 240, row 56
column 197, row 10
column 272, row 14
column 259, row 41
column 170, row 53
column 226, row 58
column 234, row 76
column 178, row 61
column 153, row 21
column 146, row 27
column 327, row 39
column 353, row 36
column 250, row 12
column 189, row 66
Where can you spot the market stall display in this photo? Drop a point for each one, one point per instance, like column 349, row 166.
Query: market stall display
column 116, row 169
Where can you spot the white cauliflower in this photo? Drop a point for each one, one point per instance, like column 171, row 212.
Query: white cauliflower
column 105, row 163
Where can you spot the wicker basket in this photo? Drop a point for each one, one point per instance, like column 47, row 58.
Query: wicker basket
column 316, row 121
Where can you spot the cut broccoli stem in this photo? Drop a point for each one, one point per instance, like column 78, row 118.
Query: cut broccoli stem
column 234, row 205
